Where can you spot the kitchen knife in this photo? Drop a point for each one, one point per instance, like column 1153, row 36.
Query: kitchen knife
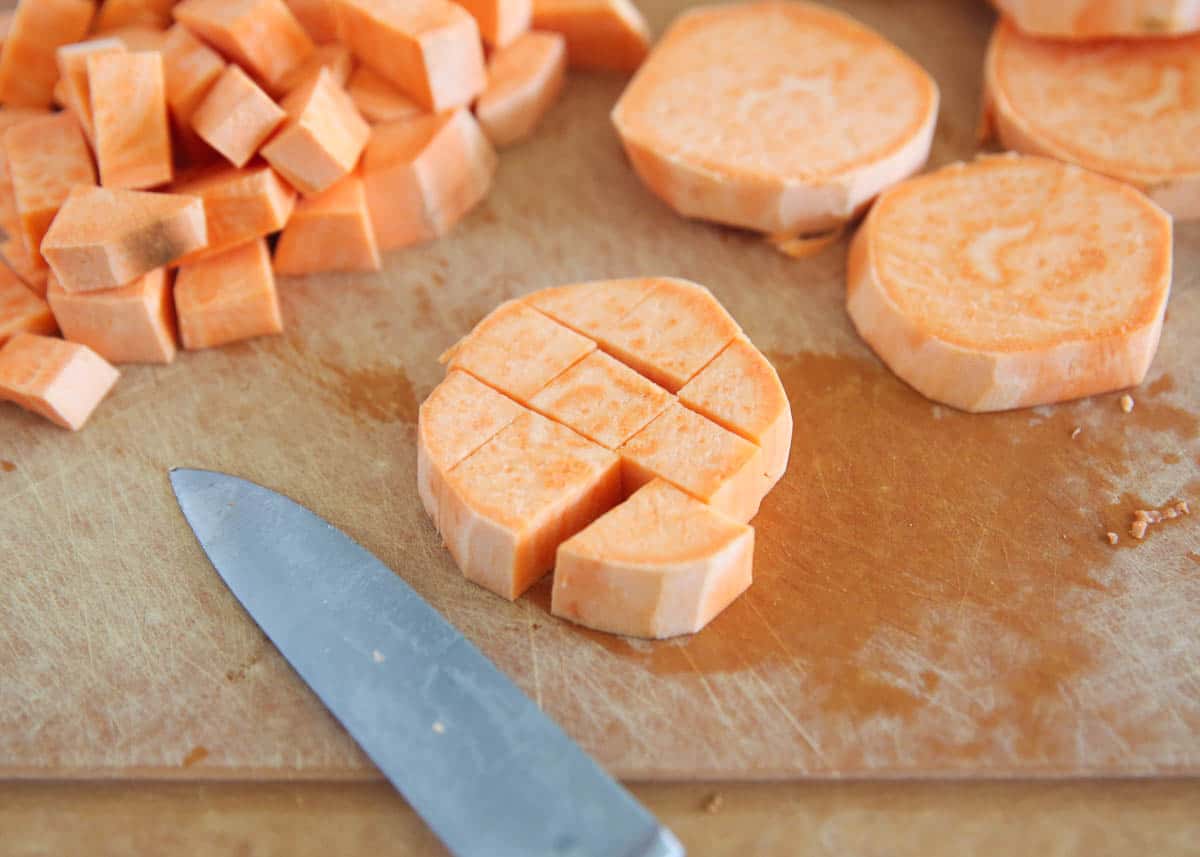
column 486, row 769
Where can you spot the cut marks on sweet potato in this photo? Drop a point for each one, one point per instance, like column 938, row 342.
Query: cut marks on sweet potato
column 1012, row 281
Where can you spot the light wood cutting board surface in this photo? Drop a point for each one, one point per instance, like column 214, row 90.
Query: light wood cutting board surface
column 933, row 595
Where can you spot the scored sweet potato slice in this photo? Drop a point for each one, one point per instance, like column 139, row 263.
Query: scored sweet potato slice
column 500, row 21
column 329, row 232
column 1012, row 281
column 428, row 48
column 509, row 504
column 595, row 307
column 1101, row 19
column 73, row 75
column 806, row 116
column 227, row 298
column 28, row 66
column 660, row 564
column 1129, row 109
column 129, row 116
column 524, row 80
column 130, row 324
column 104, row 238
column 602, row 35
column 236, row 117
column 422, row 176
column 21, row 311
column 239, row 205
column 458, row 417
column 261, row 35
column 61, row 381
column 378, row 99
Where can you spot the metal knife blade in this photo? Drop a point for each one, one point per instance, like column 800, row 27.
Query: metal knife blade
column 477, row 759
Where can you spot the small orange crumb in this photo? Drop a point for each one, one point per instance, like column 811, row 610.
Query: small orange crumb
column 1138, row 529
column 1076, row 432
column 1127, row 403
column 1181, row 506
column 1113, row 538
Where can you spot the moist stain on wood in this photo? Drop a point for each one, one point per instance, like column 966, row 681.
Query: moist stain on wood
column 195, row 756
column 7, row 466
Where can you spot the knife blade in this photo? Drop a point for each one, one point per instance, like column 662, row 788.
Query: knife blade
column 484, row 767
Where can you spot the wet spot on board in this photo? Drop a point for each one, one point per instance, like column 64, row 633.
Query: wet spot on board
column 195, row 756
column 7, row 466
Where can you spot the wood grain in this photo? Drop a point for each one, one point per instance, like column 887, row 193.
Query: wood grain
column 934, row 592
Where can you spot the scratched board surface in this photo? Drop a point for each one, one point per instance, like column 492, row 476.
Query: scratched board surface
column 934, row 592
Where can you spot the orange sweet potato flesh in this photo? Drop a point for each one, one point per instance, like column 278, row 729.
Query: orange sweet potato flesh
column 47, row 157
column 73, row 76
column 335, row 57
column 61, row 381
column 263, row 36
column 378, row 99
column 190, row 68
column 10, row 116
column 33, row 273
column 116, row 14
column 236, row 117
column 21, row 311
column 239, row 205
column 318, row 18
column 28, row 68
column 129, row 324
column 602, row 35
column 129, row 114
column 524, row 80
column 329, row 232
column 227, row 298
column 104, row 238
column 500, row 22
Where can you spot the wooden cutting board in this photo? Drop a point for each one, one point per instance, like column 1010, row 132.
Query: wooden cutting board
column 934, row 592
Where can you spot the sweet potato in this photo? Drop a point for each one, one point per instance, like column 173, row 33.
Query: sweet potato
column 329, row 232
column 21, row 311
column 28, row 68
column 61, row 381
column 524, row 80
column 239, row 205
column 261, row 35
column 129, row 113
column 236, row 117
column 227, row 298
column 602, row 35
column 130, row 324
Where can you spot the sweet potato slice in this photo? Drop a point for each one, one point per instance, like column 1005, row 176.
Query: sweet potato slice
column 518, row 350
column 336, row 58
column 1012, row 281
column 129, row 324
column 595, row 307
column 659, row 565
column 32, row 272
column 236, row 117
column 261, row 35
column 117, row 14
column 500, row 22
column 695, row 454
column 322, row 138
column 104, row 238
column 509, row 504
column 524, row 80
column 239, row 205
column 460, row 415
column 47, row 157
column 73, row 76
column 28, row 67
column 602, row 399
column 1129, row 109
column 61, row 381
column 378, row 99
column 422, row 176
column 428, row 48
column 21, row 311
column 602, row 35
column 1102, row 19
column 740, row 390
column 329, row 232
column 825, row 113
column 227, row 298
column 318, row 18
column 129, row 114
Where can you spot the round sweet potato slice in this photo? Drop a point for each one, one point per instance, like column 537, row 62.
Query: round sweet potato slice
column 781, row 117
column 1100, row 19
column 1012, row 281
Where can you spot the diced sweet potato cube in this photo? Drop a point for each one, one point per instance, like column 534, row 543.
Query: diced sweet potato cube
column 318, row 18
column 422, row 176
column 322, row 138
column 329, row 232
column 236, row 117
column 61, row 381
column 227, row 298
column 741, row 391
column 28, row 69
column 10, row 116
column 694, row 453
column 595, row 307
column 129, row 112
column 239, row 205
column 104, row 238
column 604, row 35
column 129, row 324
column 510, row 503
column 378, row 99
column 32, row 273
column 500, row 22
column 602, row 399
column 334, row 57
column 524, row 79
column 46, row 158
column 518, row 350
column 660, row 564
column 262, row 35
column 73, row 76
column 428, row 48
column 140, row 39
column 21, row 311
column 115, row 14
column 190, row 68
column 460, row 415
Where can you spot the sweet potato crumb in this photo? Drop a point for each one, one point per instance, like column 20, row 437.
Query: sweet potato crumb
column 714, row 803
column 1113, row 538
column 1127, row 403
column 1181, row 506
column 1138, row 530
column 1076, row 432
